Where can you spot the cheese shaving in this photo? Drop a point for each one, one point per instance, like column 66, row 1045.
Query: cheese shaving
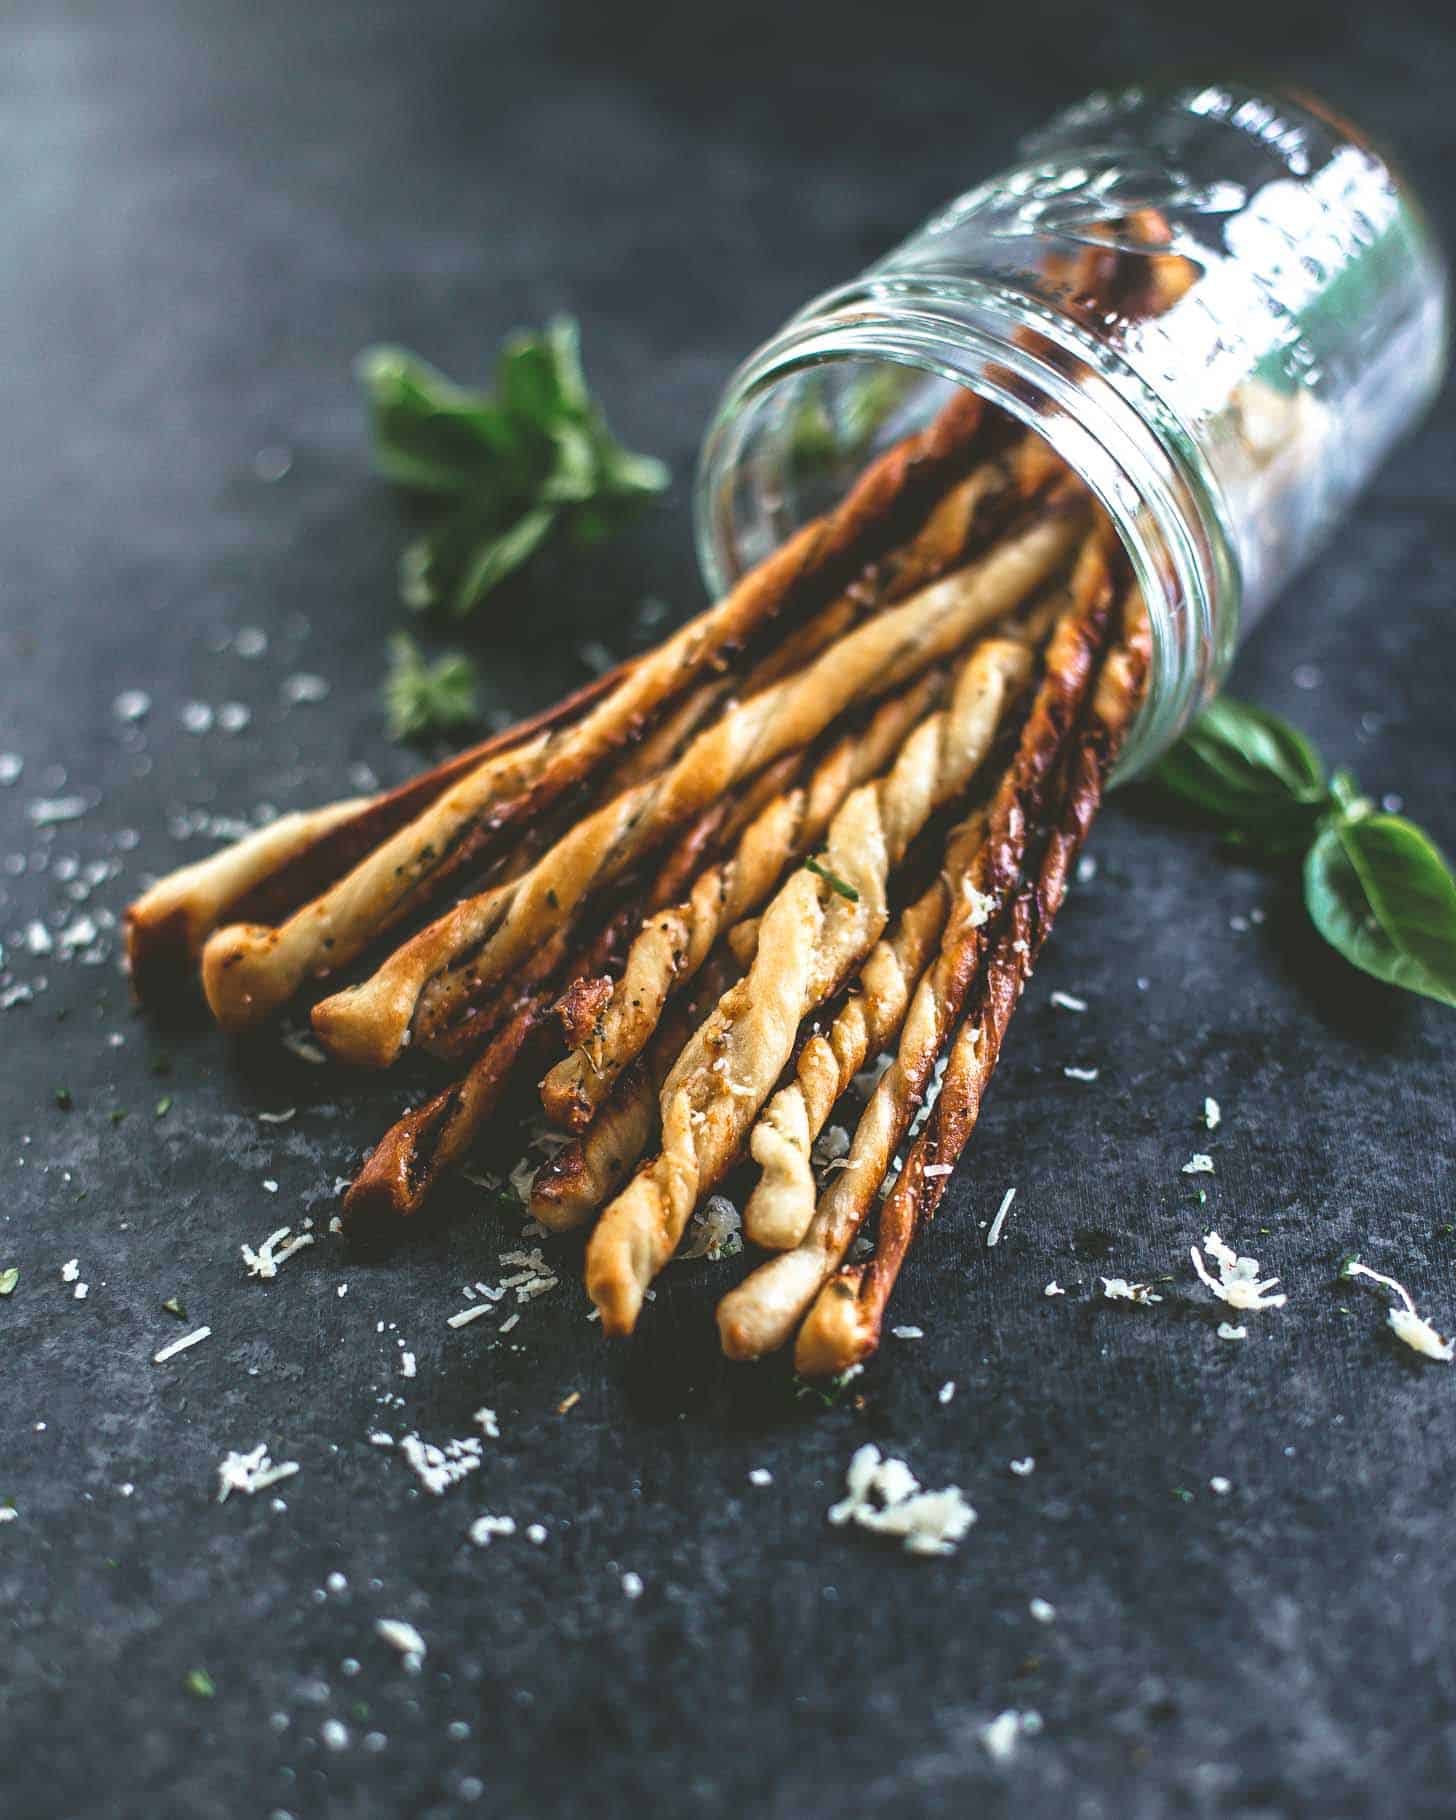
column 1212, row 1115
column 251, row 1472
column 1237, row 1282
column 401, row 1636
column 264, row 1261
column 441, row 1467
column 994, row 1235
column 483, row 1528
column 1227, row 1331
column 1000, row 1736
column 885, row 1496
column 1118, row 1289
column 1405, row 1323
column 195, row 1338
column 716, row 1230
column 1198, row 1164
column 1064, row 1001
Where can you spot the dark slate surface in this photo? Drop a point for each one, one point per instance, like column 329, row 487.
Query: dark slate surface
column 207, row 210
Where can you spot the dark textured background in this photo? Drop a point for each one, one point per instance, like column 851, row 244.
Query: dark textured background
column 206, row 210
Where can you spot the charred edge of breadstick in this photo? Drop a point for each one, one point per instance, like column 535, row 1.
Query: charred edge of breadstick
column 761, row 1313
column 250, row 970
column 812, row 936
column 846, row 1321
column 414, row 1153
column 422, row 983
column 675, row 941
column 267, row 875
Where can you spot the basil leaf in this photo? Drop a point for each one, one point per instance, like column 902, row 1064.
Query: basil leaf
column 428, row 434
column 423, row 697
column 496, row 558
column 1248, row 769
column 1380, row 891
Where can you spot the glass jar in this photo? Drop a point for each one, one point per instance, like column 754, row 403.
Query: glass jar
column 1219, row 306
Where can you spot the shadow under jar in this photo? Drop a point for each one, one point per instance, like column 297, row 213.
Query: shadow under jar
column 1220, row 307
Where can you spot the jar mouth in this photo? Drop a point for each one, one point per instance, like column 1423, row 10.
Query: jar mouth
column 1037, row 367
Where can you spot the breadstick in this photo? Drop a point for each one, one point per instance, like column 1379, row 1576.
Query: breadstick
column 675, row 942
column 844, row 1324
column 486, row 935
column 762, row 1312
column 249, row 970
column 818, row 927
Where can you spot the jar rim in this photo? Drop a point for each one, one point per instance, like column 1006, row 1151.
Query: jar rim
column 1035, row 365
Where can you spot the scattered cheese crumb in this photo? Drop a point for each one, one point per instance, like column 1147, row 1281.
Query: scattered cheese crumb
column 81, row 1291
column 299, row 1043
column 1118, row 1289
column 483, row 1528
column 1237, row 1281
column 908, row 1333
column 485, row 1421
column 946, row 1391
column 1054, row 1288
column 441, row 1467
column 335, row 1734
column 70, row 1270
column 1064, row 1001
column 716, row 1230
column 467, row 1315
column 407, row 1364
column 884, row 1495
column 536, row 1532
column 1227, row 1331
column 194, row 1338
column 1405, row 1323
column 1081, row 1074
column 1220, row 1487
column 1000, row 1736
column 401, row 1636
column 760, row 1476
column 251, row 1472
column 1198, row 1164
column 1212, row 1115
column 277, row 1118
column 994, row 1235
column 938, row 1169
column 1042, row 1610
column 1024, row 1468
column 272, row 1252
column 632, row 1585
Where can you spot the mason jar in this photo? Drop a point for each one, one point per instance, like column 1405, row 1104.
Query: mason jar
column 1270, row 315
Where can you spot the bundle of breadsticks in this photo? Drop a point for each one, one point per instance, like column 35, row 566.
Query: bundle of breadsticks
column 823, row 829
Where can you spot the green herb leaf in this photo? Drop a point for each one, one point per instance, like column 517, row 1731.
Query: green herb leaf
column 1251, row 771
column 832, row 879
column 64, row 1102
column 174, row 1307
column 507, row 470
column 164, row 1106
column 199, row 1682
column 1380, row 891
column 8, row 1279
column 423, row 697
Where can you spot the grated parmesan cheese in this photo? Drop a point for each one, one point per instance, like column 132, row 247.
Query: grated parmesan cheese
column 467, row 1315
column 1227, row 1331
column 483, row 1528
column 1198, row 1164
column 1118, row 1289
column 716, row 1230
column 439, row 1468
column 1212, row 1115
column 908, row 1333
column 1237, row 1280
column 760, row 1476
column 1405, row 1323
column 1054, row 1288
column 484, row 1420
column 632, row 1585
column 264, row 1261
column 1064, row 1001
column 251, row 1472
column 194, row 1338
column 946, row 1391
column 1081, row 1074
column 994, row 1235
column 885, row 1496
column 1024, row 1468
column 1000, row 1736
column 403, row 1637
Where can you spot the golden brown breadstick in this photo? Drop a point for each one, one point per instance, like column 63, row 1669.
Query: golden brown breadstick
column 486, row 935
column 782, row 1203
column 762, row 1312
column 675, row 942
column 819, row 926
column 844, row 1324
column 251, row 970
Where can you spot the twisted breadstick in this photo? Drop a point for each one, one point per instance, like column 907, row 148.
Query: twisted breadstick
column 484, row 936
column 845, row 1322
column 268, row 874
column 761, row 1313
column 818, row 927
column 675, row 942
column 250, row 970
column 782, row 1203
